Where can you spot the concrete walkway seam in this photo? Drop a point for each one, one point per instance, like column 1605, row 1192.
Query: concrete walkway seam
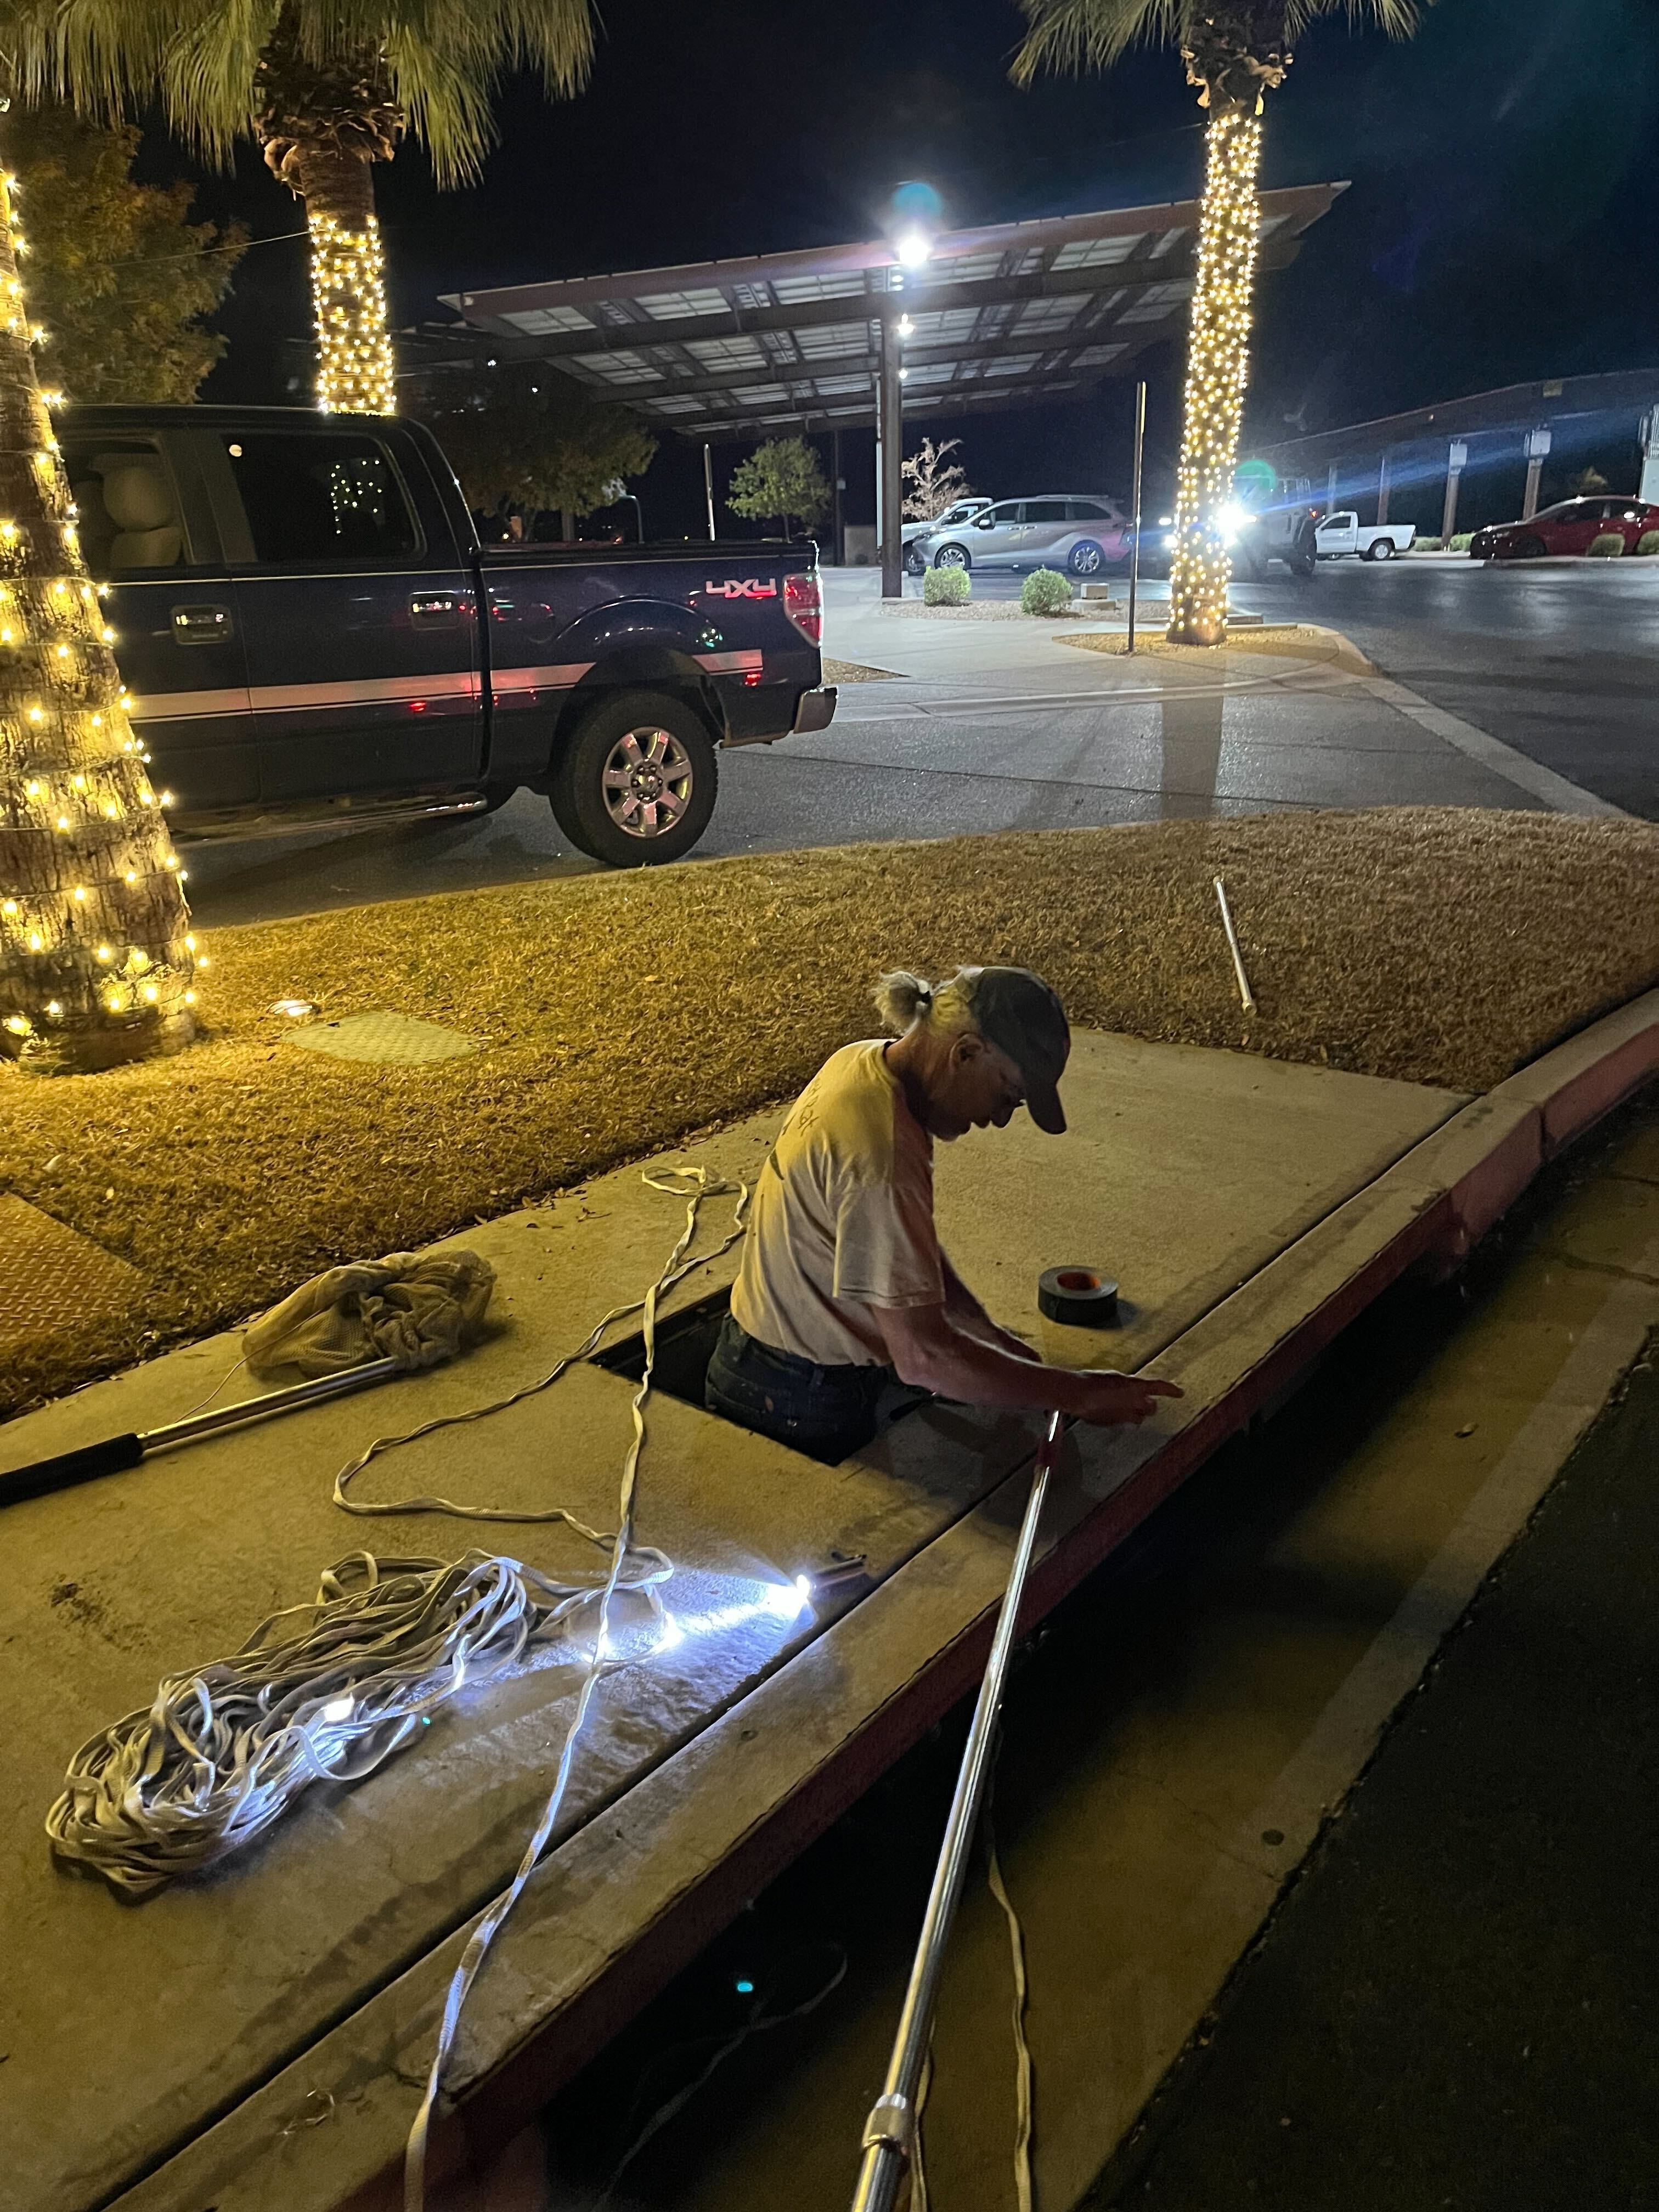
column 709, row 1847
column 1516, row 767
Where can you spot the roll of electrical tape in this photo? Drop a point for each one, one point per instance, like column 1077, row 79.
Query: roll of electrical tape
column 1080, row 1297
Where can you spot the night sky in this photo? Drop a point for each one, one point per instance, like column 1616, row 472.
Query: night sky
column 1503, row 222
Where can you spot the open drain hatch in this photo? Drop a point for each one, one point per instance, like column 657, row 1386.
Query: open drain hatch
column 685, row 1344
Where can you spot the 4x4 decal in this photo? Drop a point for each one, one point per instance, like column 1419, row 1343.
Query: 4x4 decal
column 750, row 587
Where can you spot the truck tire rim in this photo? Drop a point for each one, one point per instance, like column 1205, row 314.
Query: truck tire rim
column 647, row 782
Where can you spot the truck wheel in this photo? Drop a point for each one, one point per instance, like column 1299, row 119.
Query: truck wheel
column 637, row 783
column 1381, row 548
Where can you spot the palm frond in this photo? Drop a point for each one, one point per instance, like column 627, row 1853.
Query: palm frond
column 110, row 57
column 1398, row 19
column 1070, row 36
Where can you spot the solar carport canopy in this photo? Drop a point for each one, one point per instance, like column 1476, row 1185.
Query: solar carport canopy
column 1012, row 314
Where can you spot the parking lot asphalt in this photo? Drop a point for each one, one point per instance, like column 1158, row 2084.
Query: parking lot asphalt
column 1556, row 664
column 1558, row 661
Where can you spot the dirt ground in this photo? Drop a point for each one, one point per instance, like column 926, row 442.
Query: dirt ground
column 619, row 1011
column 1285, row 640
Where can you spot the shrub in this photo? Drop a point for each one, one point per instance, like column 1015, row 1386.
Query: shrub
column 1045, row 592
column 1422, row 545
column 946, row 587
column 1609, row 546
column 1463, row 541
column 1648, row 542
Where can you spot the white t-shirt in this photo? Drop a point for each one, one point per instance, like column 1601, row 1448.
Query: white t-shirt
column 842, row 1218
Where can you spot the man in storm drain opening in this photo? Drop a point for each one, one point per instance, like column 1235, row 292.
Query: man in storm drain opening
column 842, row 1283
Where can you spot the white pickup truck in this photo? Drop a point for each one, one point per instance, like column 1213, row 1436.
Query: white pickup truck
column 1343, row 533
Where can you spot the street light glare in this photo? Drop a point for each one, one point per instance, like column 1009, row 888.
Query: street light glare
column 912, row 249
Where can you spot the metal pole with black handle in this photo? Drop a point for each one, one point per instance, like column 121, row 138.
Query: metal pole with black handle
column 115, row 1453
column 889, row 2133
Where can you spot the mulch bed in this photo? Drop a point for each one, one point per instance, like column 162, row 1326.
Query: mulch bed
column 623, row 1011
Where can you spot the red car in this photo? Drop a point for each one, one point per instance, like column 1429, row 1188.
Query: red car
column 1570, row 527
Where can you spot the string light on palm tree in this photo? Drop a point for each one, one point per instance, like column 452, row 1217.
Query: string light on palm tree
column 97, row 959
column 1236, row 52
column 328, row 88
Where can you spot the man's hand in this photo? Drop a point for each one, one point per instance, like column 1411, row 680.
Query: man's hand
column 928, row 1348
column 1108, row 1399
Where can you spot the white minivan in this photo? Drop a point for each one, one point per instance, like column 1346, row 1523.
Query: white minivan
column 1078, row 531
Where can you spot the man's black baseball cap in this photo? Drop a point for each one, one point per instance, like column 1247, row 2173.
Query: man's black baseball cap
column 1019, row 1014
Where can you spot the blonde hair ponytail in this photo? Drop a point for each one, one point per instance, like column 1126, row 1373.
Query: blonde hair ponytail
column 903, row 998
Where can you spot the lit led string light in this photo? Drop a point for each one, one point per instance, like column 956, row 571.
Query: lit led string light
column 348, row 283
column 97, row 961
column 1218, row 365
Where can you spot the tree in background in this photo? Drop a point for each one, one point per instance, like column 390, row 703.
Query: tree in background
column 934, row 485
column 1236, row 52
column 533, row 438
column 781, row 482
column 328, row 88
column 118, row 275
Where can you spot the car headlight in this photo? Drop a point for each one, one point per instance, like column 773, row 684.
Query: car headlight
column 1230, row 520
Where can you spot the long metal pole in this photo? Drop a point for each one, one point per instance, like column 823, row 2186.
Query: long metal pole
column 113, row 1454
column 1134, row 549
column 709, row 487
column 890, row 2130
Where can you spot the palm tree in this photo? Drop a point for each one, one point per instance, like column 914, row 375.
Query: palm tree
column 1236, row 52
column 328, row 88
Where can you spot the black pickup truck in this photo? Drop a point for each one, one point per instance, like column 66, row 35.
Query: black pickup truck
column 311, row 632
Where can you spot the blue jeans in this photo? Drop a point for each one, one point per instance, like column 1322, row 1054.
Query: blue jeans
column 824, row 1413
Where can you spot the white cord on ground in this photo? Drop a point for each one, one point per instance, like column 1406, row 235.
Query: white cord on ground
column 918, row 2157
column 319, row 1692
column 1022, row 2049
column 694, row 1184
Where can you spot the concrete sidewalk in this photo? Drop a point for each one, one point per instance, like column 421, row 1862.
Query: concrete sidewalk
column 1291, row 714
column 311, row 1968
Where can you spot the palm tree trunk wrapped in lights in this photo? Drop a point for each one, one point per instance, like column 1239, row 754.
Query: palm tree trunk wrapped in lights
column 323, row 124
column 1217, row 368
column 96, row 958
column 1236, row 52
column 328, row 88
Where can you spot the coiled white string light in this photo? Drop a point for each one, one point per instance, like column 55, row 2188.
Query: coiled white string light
column 319, row 1692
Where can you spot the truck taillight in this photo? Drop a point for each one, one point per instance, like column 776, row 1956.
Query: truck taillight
column 803, row 602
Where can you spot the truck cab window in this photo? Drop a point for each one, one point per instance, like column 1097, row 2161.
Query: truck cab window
column 321, row 499
column 129, row 520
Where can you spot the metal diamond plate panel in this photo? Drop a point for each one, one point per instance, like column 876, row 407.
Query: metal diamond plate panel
column 52, row 1278
column 393, row 1039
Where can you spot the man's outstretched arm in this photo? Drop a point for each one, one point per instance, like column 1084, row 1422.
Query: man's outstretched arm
column 929, row 1350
